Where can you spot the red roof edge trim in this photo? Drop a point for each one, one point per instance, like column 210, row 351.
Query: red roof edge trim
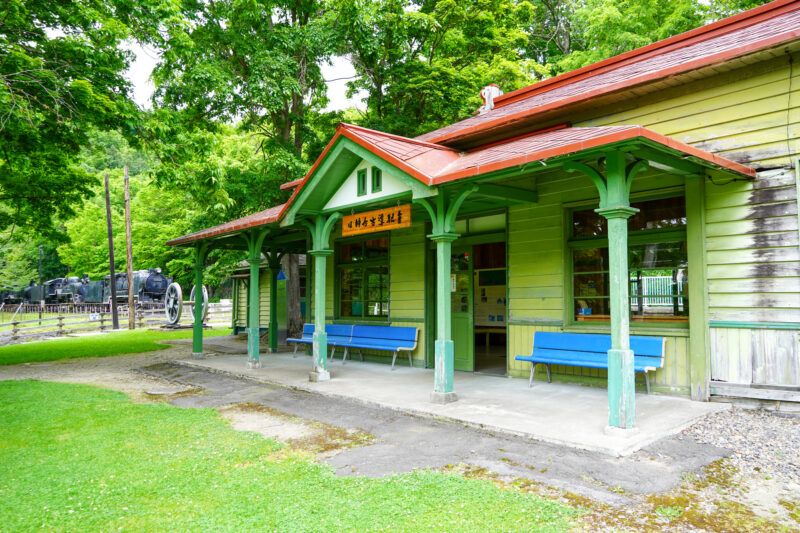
column 524, row 135
column 397, row 137
column 708, row 31
column 684, row 67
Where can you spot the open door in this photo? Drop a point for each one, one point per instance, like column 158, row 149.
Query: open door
column 461, row 295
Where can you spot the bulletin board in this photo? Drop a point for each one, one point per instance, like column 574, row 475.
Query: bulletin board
column 490, row 298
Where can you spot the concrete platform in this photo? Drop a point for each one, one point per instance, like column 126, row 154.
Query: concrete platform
column 570, row 415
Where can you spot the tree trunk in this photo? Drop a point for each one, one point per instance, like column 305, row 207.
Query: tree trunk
column 291, row 267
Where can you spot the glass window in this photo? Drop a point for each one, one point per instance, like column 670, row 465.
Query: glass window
column 362, row 181
column 377, row 179
column 657, row 264
column 363, row 278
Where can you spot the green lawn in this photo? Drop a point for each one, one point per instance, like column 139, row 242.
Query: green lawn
column 80, row 458
column 101, row 345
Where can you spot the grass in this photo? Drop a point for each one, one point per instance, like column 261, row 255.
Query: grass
column 101, row 345
column 79, row 458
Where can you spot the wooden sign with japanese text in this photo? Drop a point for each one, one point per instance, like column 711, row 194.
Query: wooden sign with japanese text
column 378, row 220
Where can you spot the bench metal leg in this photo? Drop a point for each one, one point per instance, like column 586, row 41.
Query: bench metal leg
column 647, row 381
column 333, row 349
column 547, row 366
column 410, row 362
column 393, row 359
column 344, row 358
column 361, row 355
column 295, row 350
column 530, row 380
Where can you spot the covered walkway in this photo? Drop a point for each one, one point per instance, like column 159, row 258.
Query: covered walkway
column 565, row 414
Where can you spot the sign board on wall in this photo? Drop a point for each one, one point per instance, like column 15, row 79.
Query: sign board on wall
column 378, row 220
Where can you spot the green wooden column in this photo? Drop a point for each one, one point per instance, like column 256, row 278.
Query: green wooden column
column 274, row 269
column 614, row 191
column 320, row 229
column 443, row 217
column 201, row 252
column 254, row 240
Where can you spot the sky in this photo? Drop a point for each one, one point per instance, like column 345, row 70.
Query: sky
column 146, row 59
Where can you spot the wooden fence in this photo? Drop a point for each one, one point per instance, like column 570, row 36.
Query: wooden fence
column 31, row 320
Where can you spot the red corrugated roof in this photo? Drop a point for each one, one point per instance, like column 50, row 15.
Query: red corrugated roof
column 268, row 216
column 764, row 27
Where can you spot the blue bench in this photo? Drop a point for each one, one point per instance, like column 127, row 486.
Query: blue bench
column 591, row 350
column 389, row 338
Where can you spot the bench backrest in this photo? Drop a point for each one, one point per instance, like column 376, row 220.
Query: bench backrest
column 400, row 335
column 651, row 348
column 308, row 330
column 339, row 330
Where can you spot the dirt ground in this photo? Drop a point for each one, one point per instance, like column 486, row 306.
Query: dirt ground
column 677, row 484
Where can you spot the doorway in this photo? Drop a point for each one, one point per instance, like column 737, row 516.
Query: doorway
column 489, row 309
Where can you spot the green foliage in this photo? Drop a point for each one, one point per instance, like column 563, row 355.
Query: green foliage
column 103, row 345
column 423, row 63
column 61, row 74
column 79, row 458
column 254, row 63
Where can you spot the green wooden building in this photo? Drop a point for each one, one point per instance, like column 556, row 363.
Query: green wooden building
column 653, row 193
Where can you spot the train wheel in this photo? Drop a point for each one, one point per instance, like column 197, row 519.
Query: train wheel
column 173, row 304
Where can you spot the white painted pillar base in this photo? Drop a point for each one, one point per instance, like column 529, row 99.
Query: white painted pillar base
column 319, row 375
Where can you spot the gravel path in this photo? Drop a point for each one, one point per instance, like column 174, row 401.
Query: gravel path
column 762, row 442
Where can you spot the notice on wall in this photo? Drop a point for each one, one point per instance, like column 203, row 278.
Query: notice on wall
column 378, row 220
column 490, row 301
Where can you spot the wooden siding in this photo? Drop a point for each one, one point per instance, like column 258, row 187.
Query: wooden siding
column 750, row 115
column 755, row 356
column 241, row 304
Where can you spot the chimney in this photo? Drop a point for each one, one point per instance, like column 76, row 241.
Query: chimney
column 488, row 94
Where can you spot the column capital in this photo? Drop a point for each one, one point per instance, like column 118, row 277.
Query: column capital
column 321, row 253
column 622, row 211
column 443, row 237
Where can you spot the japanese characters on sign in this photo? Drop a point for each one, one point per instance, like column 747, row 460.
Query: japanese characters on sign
column 378, row 220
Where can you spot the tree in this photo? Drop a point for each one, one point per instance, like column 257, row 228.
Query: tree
column 61, row 74
column 256, row 64
column 423, row 63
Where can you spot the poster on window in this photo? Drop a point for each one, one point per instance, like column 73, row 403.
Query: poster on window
column 378, row 220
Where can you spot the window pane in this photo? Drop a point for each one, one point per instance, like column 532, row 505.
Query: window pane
column 587, row 223
column 592, row 310
column 653, row 214
column 590, row 285
column 351, row 252
column 377, row 283
column 659, row 214
column 590, row 260
column 350, row 290
column 377, row 248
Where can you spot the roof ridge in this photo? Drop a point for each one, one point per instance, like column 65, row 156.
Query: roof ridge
column 427, row 144
column 702, row 33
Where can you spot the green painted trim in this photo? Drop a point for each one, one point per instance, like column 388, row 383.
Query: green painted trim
column 363, row 265
column 754, row 325
column 535, row 322
column 376, row 176
column 361, row 179
column 659, row 330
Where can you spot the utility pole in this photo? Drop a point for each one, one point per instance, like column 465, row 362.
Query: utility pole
column 131, row 302
column 113, row 276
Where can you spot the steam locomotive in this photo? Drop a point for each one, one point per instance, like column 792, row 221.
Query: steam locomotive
column 148, row 286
